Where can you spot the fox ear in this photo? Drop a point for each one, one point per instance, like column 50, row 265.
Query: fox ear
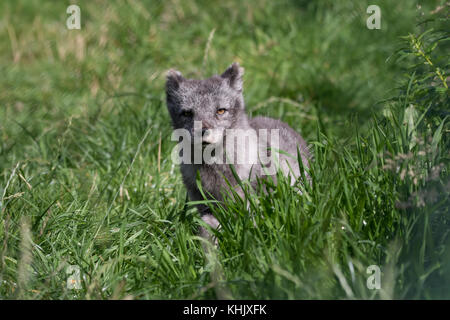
column 234, row 75
column 174, row 78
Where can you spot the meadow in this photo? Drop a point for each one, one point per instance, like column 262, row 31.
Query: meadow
column 86, row 177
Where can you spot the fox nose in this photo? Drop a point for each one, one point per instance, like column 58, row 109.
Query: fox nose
column 205, row 132
column 205, row 128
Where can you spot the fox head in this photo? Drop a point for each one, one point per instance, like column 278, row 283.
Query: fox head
column 217, row 102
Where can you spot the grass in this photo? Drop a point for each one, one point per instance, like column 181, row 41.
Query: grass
column 86, row 177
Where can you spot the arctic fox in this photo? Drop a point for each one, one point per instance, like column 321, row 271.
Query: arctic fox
column 211, row 110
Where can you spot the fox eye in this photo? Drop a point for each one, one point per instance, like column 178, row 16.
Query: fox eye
column 221, row 111
column 186, row 113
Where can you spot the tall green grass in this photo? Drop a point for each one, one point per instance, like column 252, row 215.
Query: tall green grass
column 86, row 177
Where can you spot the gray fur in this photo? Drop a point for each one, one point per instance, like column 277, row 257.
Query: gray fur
column 202, row 98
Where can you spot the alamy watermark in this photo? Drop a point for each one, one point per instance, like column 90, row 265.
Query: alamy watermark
column 374, row 280
column 374, row 20
column 74, row 20
column 230, row 146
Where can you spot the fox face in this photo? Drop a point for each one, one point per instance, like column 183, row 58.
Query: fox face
column 217, row 103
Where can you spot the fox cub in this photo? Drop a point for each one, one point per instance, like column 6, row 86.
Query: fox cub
column 213, row 111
